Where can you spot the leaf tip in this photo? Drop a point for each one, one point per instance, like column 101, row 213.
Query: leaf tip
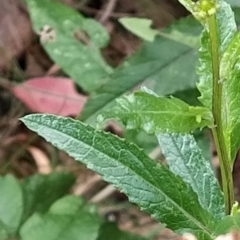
column 24, row 119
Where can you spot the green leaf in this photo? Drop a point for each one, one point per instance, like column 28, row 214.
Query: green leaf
column 185, row 159
column 204, row 71
column 75, row 47
column 147, row 183
column 140, row 27
column 11, row 206
column 166, row 65
column 227, row 31
column 68, row 218
column 230, row 75
column 110, row 231
column 157, row 114
column 41, row 191
column 235, row 209
column 227, row 224
column 230, row 58
column 202, row 10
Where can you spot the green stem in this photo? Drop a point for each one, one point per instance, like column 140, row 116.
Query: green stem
column 225, row 165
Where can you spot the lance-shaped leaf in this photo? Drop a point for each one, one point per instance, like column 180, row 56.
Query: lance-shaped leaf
column 147, row 183
column 157, row 114
column 226, row 29
column 71, row 41
column 166, row 65
column 230, row 76
column 185, row 159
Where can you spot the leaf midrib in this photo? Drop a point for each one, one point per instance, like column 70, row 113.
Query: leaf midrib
column 175, row 112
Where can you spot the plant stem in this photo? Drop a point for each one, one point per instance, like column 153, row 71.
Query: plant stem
column 225, row 165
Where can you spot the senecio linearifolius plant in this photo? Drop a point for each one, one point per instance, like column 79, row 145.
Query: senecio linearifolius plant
column 185, row 194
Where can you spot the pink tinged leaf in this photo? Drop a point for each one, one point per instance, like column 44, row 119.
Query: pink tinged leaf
column 52, row 95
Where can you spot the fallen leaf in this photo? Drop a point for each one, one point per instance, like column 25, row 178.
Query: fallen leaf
column 52, row 95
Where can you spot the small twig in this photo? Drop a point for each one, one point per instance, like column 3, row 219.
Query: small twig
column 112, row 15
column 81, row 3
column 103, row 194
column 41, row 160
column 83, row 188
column 53, row 70
column 5, row 84
column 155, row 154
column 108, row 10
